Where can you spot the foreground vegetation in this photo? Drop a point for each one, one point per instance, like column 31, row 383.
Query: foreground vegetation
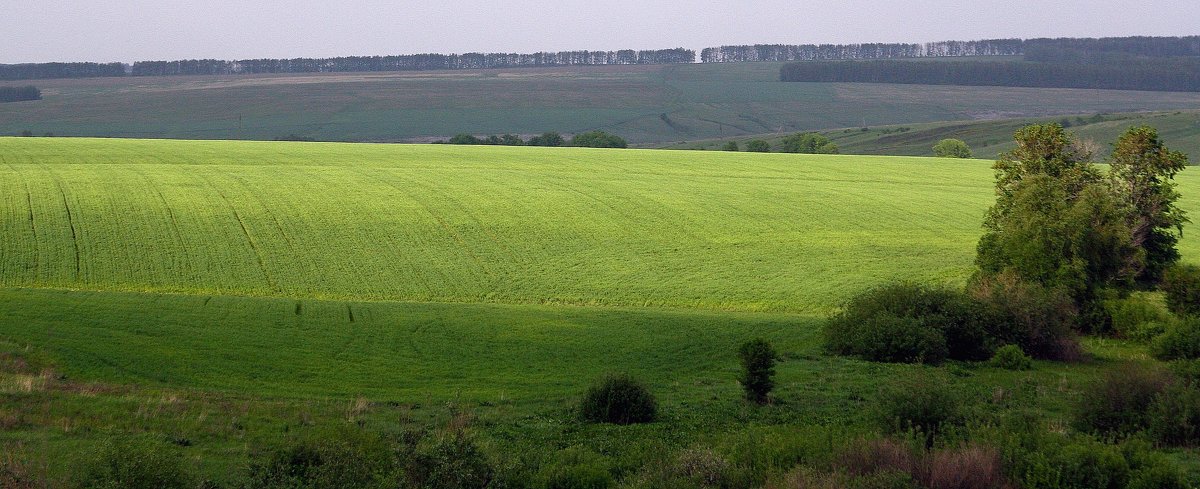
column 213, row 309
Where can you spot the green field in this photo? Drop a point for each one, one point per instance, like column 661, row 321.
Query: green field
column 645, row 104
column 237, row 293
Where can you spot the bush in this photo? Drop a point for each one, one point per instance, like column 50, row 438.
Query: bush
column 451, row 460
column 1010, row 357
column 1181, row 286
column 576, row 468
column 342, row 459
column 598, row 139
column 758, row 146
column 618, row 399
column 1118, row 403
column 702, row 468
column 1137, row 317
column 952, row 148
column 867, row 457
column 966, row 467
column 1093, row 466
column 465, row 139
column 758, row 369
column 135, row 462
column 731, row 146
column 809, row 143
column 926, row 406
column 906, row 322
column 1187, row 371
column 1174, row 416
column 1150, row 469
column 1180, row 342
column 1037, row 319
column 550, row 139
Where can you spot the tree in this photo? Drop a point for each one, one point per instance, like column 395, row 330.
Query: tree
column 952, row 148
column 598, row 139
column 1041, row 149
column 1142, row 171
column 758, row 369
column 465, row 139
column 758, row 146
column 809, row 143
column 547, row 139
column 731, row 146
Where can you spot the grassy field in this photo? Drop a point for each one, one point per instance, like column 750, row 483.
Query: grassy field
column 228, row 295
column 646, row 104
column 1180, row 130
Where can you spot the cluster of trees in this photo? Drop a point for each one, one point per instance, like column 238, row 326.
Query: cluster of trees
column 410, row 62
column 41, row 71
column 19, row 94
column 591, row 139
column 1139, row 46
column 813, row 52
column 1161, row 74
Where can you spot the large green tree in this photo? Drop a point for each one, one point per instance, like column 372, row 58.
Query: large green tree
column 1142, row 171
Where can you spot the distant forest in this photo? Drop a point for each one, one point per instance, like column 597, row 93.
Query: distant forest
column 1063, row 50
column 19, row 94
column 1151, row 64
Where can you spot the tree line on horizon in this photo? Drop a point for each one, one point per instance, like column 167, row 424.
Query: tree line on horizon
column 1096, row 51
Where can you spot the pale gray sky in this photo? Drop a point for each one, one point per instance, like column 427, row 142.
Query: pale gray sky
column 130, row 30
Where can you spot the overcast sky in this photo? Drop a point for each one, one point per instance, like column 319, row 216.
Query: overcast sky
column 130, row 30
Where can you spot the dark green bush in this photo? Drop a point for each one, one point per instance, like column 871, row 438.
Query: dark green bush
column 927, row 405
column 451, row 460
column 135, row 462
column 1150, row 469
column 1118, row 403
column 618, row 399
column 1174, row 416
column 1186, row 371
column 576, row 468
column 1180, row 342
column 598, row 139
column 907, row 322
column 1093, row 465
column 758, row 369
column 1010, row 357
column 731, row 146
column 758, row 146
column 1037, row 319
column 346, row 458
column 1181, row 286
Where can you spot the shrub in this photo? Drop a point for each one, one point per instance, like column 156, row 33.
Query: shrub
column 1181, row 286
column 731, row 146
column 702, row 468
column 1187, row 371
column 1118, row 403
column 758, row 146
column 809, row 143
column 135, row 462
column 966, row 467
column 952, row 148
column 1180, row 342
column 1150, row 469
column 1137, row 317
column 1094, row 466
column 576, row 468
column 598, row 139
column 1037, row 319
column 907, row 322
column 465, row 139
column 866, row 457
column 758, row 369
column 1174, row 416
column 342, row 459
column 451, row 460
column 1010, row 357
column 618, row 399
column 925, row 405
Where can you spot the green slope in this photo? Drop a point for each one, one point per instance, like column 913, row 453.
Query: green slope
column 646, row 104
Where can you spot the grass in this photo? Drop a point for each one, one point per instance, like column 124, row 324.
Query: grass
column 646, row 104
column 225, row 296
column 1180, row 130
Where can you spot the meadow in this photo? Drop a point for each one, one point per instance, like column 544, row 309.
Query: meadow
column 650, row 105
column 226, row 295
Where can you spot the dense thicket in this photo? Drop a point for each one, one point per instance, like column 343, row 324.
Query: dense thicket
column 38, row 71
column 1164, row 74
column 19, row 94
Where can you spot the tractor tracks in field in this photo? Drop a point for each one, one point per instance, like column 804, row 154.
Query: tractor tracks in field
column 170, row 214
column 70, row 220
column 32, row 222
column 258, row 256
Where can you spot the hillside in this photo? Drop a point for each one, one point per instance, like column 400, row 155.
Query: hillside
column 226, row 296
column 651, row 104
column 1180, row 130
